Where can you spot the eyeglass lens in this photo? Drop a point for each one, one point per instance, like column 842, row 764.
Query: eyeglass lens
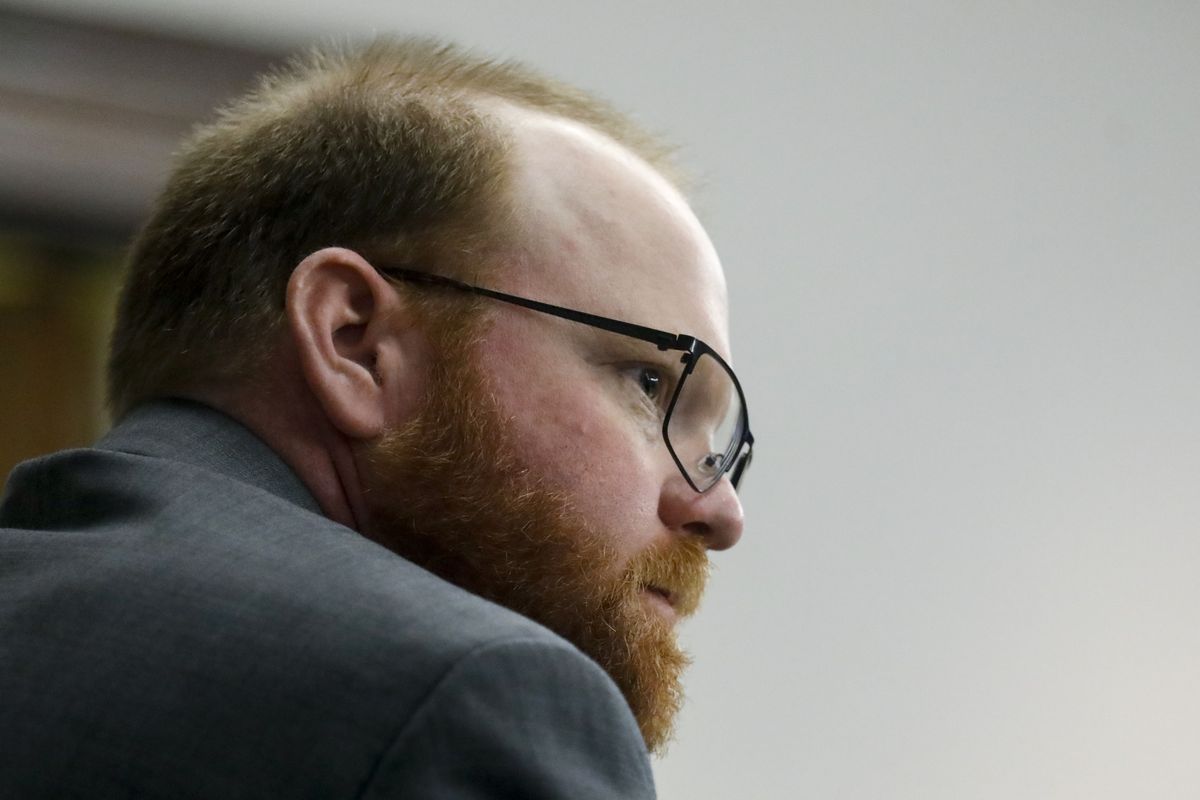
column 705, row 427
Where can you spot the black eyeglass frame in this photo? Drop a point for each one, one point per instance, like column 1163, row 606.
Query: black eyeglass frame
column 691, row 347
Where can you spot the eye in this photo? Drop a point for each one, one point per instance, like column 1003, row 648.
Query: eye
column 650, row 381
column 650, row 386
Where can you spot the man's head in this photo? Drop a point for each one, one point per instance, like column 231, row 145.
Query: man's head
column 514, row 453
column 384, row 149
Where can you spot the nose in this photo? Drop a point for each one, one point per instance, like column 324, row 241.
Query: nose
column 715, row 516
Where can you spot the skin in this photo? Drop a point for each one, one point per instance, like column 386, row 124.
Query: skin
column 602, row 231
column 598, row 230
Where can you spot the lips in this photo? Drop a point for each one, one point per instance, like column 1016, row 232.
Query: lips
column 661, row 592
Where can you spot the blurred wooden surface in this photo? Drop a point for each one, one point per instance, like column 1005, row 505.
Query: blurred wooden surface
column 55, row 312
column 89, row 115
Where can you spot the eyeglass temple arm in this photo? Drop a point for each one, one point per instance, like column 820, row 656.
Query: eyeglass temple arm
column 662, row 339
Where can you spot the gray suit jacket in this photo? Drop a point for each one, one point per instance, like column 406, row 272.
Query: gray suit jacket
column 177, row 620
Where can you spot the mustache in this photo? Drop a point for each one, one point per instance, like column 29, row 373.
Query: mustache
column 681, row 568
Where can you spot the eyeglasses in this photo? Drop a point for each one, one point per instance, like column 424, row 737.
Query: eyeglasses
column 705, row 424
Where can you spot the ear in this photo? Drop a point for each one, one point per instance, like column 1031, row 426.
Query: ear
column 358, row 350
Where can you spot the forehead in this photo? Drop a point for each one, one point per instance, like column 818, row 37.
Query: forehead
column 596, row 228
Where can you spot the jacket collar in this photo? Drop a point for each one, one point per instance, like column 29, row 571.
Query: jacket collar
column 192, row 433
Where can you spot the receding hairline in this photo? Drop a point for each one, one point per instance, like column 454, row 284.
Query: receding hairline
column 430, row 67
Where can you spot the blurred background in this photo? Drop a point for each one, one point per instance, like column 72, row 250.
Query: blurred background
column 962, row 248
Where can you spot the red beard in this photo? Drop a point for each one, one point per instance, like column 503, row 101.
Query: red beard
column 447, row 492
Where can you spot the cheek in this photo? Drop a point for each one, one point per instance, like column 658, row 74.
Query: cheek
column 573, row 435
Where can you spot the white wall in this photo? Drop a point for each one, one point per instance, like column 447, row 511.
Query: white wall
column 961, row 241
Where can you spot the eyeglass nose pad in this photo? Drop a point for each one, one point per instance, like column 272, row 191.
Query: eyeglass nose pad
column 710, row 463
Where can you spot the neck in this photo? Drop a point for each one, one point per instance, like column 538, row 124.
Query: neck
column 300, row 434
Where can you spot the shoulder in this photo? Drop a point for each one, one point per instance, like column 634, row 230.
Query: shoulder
column 136, row 526
column 226, row 622
column 526, row 717
column 469, row 697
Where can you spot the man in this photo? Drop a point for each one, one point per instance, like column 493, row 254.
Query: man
column 396, row 358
